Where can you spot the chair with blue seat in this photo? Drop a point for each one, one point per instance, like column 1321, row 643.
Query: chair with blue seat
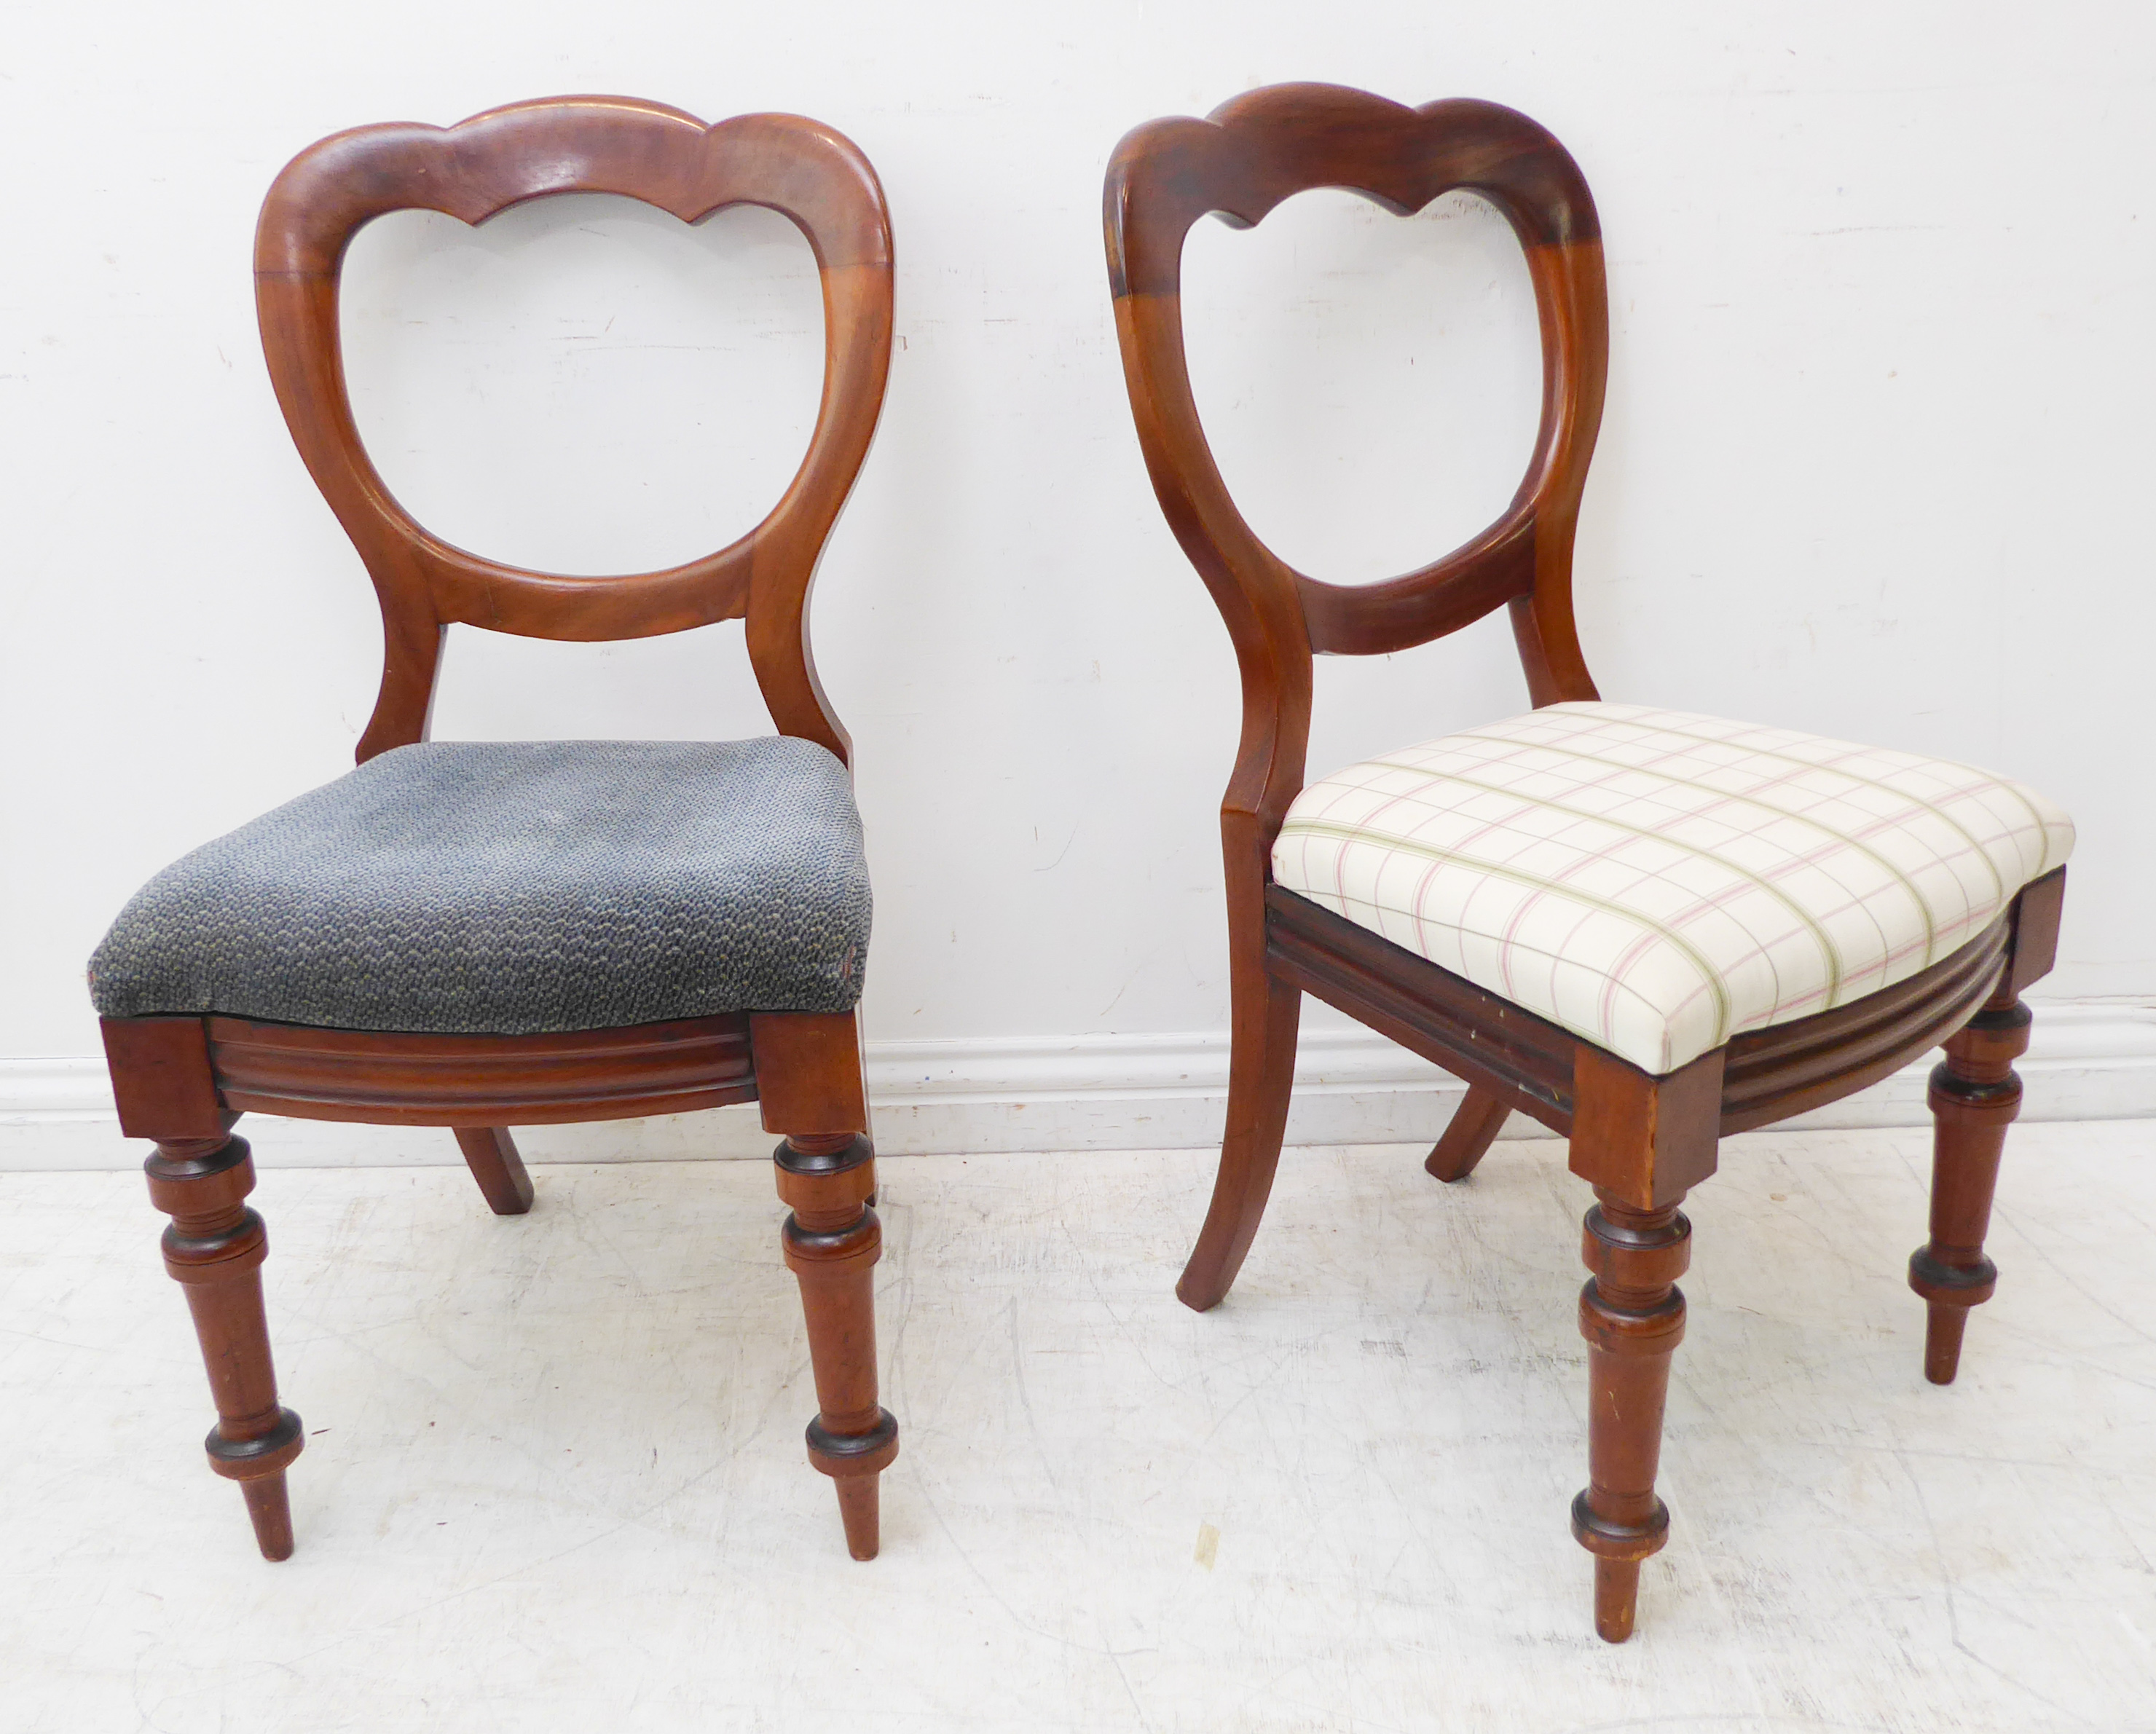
column 1643, row 928
column 483, row 935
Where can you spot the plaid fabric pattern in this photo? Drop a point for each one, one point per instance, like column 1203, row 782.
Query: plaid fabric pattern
column 1658, row 882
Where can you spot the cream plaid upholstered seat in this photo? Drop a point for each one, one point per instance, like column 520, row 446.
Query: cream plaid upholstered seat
column 1657, row 882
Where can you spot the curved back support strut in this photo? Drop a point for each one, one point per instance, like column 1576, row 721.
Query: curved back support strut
column 806, row 172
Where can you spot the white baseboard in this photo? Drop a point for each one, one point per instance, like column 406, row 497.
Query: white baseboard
column 2087, row 1061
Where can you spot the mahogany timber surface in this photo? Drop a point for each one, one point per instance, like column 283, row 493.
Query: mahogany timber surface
column 481, row 1080
column 805, row 171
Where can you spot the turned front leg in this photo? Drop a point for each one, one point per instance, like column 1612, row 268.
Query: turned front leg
column 1975, row 1096
column 832, row 1241
column 1632, row 1314
column 215, row 1247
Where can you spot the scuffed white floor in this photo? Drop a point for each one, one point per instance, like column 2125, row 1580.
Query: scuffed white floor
column 554, row 1476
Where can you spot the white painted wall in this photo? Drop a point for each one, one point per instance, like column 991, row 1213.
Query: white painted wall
column 1873, row 462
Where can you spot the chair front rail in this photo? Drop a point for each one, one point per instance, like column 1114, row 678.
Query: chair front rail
column 1529, row 1063
column 453, row 1081
column 1791, row 1068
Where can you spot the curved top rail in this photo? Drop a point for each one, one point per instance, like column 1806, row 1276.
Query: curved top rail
column 807, row 171
column 1268, row 144
column 1238, row 163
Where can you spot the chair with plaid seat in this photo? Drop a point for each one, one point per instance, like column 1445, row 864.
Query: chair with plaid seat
column 1643, row 928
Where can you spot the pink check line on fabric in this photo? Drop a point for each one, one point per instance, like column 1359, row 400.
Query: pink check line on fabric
column 1782, row 1006
column 1510, row 937
column 1752, row 793
column 1417, row 906
column 1620, row 970
column 1884, row 764
column 1829, row 847
column 1840, row 839
column 1416, row 910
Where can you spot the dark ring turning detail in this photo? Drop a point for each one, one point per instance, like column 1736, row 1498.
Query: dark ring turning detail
column 1927, row 1273
column 236, row 1456
column 823, row 1443
column 837, row 1161
column 1606, row 1540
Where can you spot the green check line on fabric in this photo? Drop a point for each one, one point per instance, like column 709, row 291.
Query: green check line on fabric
column 2005, row 890
column 1885, row 866
column 1827, row 951
column 1349, row 834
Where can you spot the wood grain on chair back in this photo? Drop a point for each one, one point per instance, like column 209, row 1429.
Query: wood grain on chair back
column 590, row 144
column 1239, row 162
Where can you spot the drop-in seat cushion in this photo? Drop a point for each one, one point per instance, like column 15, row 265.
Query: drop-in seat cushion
column 510, row 888
column 1657, row 882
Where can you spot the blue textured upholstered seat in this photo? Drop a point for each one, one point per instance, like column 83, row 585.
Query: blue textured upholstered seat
column 511, row 888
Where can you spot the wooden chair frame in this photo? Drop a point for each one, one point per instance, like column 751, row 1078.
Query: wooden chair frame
column 1642, row 1141
column 184, row 1081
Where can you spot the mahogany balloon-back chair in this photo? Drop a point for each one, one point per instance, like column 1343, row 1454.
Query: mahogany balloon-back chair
column 483, row 935
column 1645, row 929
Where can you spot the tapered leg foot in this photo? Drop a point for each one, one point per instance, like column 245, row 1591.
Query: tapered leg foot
column 491, row 1156
column 859, row 1499
column 1261, row 1077
column 1975, row 1096
column 1616, row 1598
column 214, row 1247
column 1943, row 1325
column 269, row 1508
column 1632, row 1314
column 1474, row 1127
column 832, row 1241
